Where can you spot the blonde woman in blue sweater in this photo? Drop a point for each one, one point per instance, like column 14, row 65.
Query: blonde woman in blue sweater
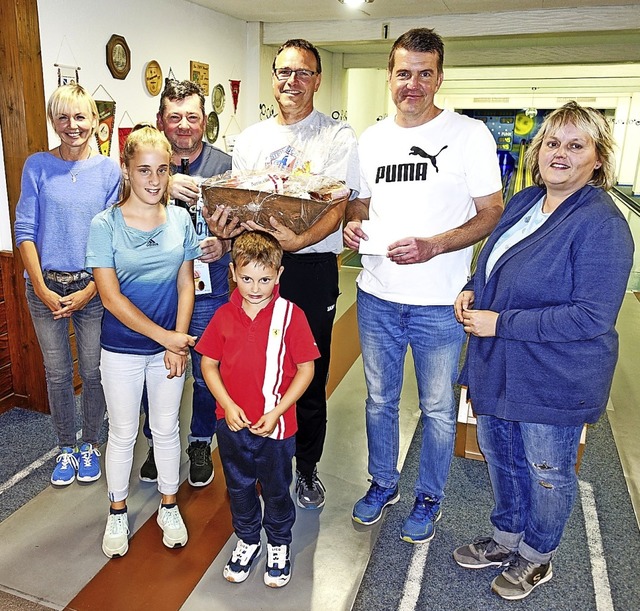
column 62, row 190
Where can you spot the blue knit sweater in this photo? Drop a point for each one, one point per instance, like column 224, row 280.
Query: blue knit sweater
column 55, row 212
column 558, row 293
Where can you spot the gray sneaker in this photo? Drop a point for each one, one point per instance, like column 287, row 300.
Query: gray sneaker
column 483, row 552
column 309, row 490
column 519, row 580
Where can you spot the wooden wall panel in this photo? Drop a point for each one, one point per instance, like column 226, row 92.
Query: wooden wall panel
column 24, row 131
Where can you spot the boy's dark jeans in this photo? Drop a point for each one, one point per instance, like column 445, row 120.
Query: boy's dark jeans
column 248, row 459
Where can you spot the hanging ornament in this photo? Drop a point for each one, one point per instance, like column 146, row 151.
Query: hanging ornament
column 124, row 131
column 106, row 119
column 170, row 77
column 67, row 75
column 67, row 72
column 235, row 92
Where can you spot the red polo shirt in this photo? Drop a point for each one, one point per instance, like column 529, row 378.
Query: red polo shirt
column 240, row 344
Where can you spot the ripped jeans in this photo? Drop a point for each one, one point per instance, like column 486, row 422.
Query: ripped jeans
column 532, row 472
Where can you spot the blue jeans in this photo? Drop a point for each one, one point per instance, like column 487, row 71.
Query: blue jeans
column 203, row 409
column 247, row 459
column 386, row 330
column 53, row 337
column 532, row 472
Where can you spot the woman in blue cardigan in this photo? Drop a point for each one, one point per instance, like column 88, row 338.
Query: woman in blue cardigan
column 541, row 312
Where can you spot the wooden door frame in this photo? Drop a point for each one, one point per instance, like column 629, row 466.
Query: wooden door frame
column 24, row 131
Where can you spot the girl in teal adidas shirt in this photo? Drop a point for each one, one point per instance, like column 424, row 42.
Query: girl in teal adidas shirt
column 141, row 252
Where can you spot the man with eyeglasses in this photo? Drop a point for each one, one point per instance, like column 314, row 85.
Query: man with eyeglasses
column 301, row 138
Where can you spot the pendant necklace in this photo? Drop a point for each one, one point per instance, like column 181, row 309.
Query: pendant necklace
column 74, row 174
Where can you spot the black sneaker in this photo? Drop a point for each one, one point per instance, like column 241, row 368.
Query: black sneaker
column 519, row 580
column 148, row 471
column 483, row 552
column 309, row 490
column 201, row 467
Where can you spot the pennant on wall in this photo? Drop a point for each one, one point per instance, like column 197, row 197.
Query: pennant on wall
column 235, row 92
column 123, row 132
column 106, row 118
column 67, row 75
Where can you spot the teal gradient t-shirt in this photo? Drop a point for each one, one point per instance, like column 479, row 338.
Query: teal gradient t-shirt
column 146, row 264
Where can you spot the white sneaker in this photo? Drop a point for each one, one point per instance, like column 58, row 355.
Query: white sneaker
column 115, row 542
column 175, row 532
column 278, row 569
column 239, row 565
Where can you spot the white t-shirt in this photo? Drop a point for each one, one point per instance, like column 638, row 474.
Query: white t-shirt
column 528, row 224
column 317, row 144
column 423, row 179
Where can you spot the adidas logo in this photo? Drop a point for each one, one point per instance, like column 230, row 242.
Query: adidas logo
column 151, row 242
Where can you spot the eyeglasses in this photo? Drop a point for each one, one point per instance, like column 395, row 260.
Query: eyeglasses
column 283, row 74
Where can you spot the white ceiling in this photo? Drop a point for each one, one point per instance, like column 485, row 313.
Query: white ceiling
column 279, row 11
column 476, row 32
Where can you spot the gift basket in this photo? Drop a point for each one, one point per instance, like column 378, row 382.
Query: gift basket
column 296, row 199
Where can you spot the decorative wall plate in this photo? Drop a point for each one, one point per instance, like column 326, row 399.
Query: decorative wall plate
column 217, row 98
column 153, row 77
column 118, row 57
column 213, row 127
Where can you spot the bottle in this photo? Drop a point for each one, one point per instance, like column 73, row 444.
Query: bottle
column 192, row 210
column 184, row 169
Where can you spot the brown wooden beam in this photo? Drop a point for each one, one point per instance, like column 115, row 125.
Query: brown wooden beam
column 24, row 131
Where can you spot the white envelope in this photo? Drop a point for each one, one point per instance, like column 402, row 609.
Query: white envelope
column 380, row 236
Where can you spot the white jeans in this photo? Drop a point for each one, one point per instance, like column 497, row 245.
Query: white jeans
column 123, row 378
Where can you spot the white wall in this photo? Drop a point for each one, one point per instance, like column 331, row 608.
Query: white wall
column 368, row 99
column 172, row 32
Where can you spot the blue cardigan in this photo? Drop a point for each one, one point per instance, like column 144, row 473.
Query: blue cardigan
column 558, row 293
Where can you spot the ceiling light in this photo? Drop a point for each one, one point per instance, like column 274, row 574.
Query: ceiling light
column 355, row 2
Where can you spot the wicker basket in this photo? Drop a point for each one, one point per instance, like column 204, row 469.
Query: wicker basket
column 248, row 205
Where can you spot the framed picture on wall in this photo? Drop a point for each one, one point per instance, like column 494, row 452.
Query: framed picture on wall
column 118, row 57
column 200, row 75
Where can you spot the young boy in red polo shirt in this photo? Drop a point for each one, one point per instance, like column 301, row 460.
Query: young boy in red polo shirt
column 258, row 354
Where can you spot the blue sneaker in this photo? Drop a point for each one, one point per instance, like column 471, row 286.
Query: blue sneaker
column 66, row 466
column 419, row 527
column 368, row 510
column 88, row 463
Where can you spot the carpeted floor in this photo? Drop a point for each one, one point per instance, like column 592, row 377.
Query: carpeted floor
column 445, row 586
column 27, row 436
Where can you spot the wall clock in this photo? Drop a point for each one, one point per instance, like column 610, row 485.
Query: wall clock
column 153, row 77
column 118, row 57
